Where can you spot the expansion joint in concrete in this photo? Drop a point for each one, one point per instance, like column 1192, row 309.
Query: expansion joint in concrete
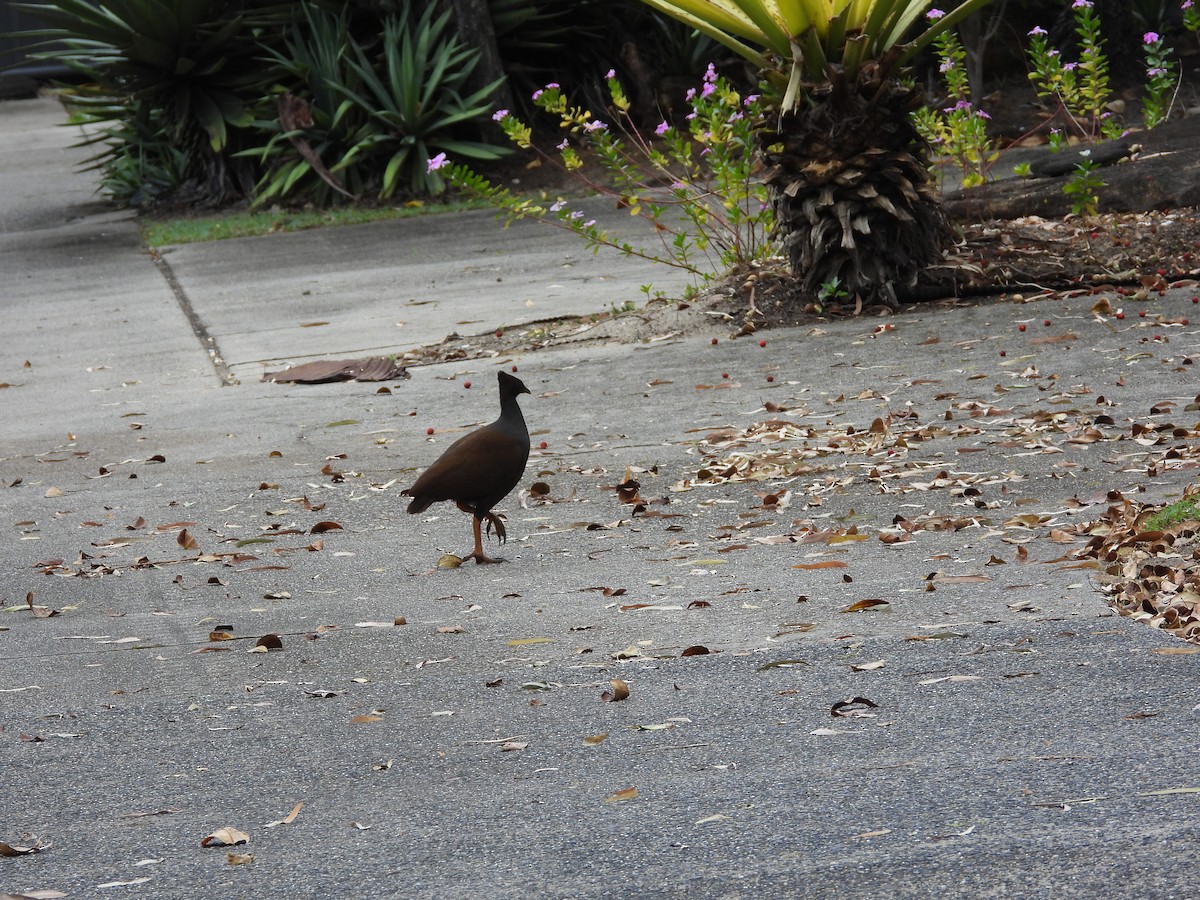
column 207, row 341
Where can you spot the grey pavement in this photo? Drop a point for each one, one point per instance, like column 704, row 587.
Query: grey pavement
column 1025, row 740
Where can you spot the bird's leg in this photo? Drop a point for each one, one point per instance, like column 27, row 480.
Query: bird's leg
column 478, row 555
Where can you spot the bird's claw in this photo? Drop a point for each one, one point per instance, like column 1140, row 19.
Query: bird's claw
column 496, row 525
column 481, row 558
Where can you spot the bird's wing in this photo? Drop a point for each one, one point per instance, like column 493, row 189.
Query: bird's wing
column 483, row 464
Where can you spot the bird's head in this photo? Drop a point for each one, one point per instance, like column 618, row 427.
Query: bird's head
column 510, row 385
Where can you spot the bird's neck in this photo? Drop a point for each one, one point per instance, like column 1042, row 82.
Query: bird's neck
column 510, row 411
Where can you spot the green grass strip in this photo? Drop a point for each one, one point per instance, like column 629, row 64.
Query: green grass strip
column 162, row 232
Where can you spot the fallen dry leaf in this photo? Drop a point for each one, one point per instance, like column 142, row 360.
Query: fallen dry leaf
column 951, row 678
column 372, row 368
column 37, row 846
column 873, row 603
column 225, row 837
column 622, row 795
column 854, row 707
column 867, row 667
column 619, row 692
column 286, row 820
column 879, row 832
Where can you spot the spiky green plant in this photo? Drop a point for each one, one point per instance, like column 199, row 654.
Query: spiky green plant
column 846, row 168
column 381, row 106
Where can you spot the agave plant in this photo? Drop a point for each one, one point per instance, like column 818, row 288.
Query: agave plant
column 846, row 169
column 380, row 105
column 412, row 93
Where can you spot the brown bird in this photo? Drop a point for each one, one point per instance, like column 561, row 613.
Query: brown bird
column 479, row 469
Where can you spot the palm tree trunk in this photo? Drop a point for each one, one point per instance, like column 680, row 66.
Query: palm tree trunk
column 854, row 200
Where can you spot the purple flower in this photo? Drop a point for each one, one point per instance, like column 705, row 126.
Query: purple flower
column 1186, row 4
column 611, row 73
column 594, row 125
column 946, row 66
column 1070, row 67
column 690, row 95
column 934, row 14
column 751, row 98
column 499, row 115
column 589, row 223
column 436, row 163
column 557, row 205
column 662, row 128
column 1150, row 37
column 563, row 145
column 1155, row 72
column 708, row 90
column 982, row 113
column 710, row 74
column 1082, row 4
column 1036, row 29
column 576, row 215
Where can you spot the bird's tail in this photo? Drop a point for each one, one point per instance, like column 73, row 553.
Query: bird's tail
column 419, row 504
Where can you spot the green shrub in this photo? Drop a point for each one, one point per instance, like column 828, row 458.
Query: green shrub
column 181, row 77
column 380, row 107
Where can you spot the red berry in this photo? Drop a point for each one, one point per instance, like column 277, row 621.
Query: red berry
column 762, row 343
column 514, row 368
column 1004, row 353
column 713, row 341
column 1141, row 314
column 543, row 445
column 724, row 374
column 1120, row 315
column 467, row 384
column 1021, row 327
column 770, row 378
column 1196, row 299
column 429, row 430
column 1046, row 322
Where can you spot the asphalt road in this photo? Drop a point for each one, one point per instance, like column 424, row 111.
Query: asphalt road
column 1021, row 739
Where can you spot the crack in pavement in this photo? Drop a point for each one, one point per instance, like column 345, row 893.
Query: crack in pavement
column 207, row 341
